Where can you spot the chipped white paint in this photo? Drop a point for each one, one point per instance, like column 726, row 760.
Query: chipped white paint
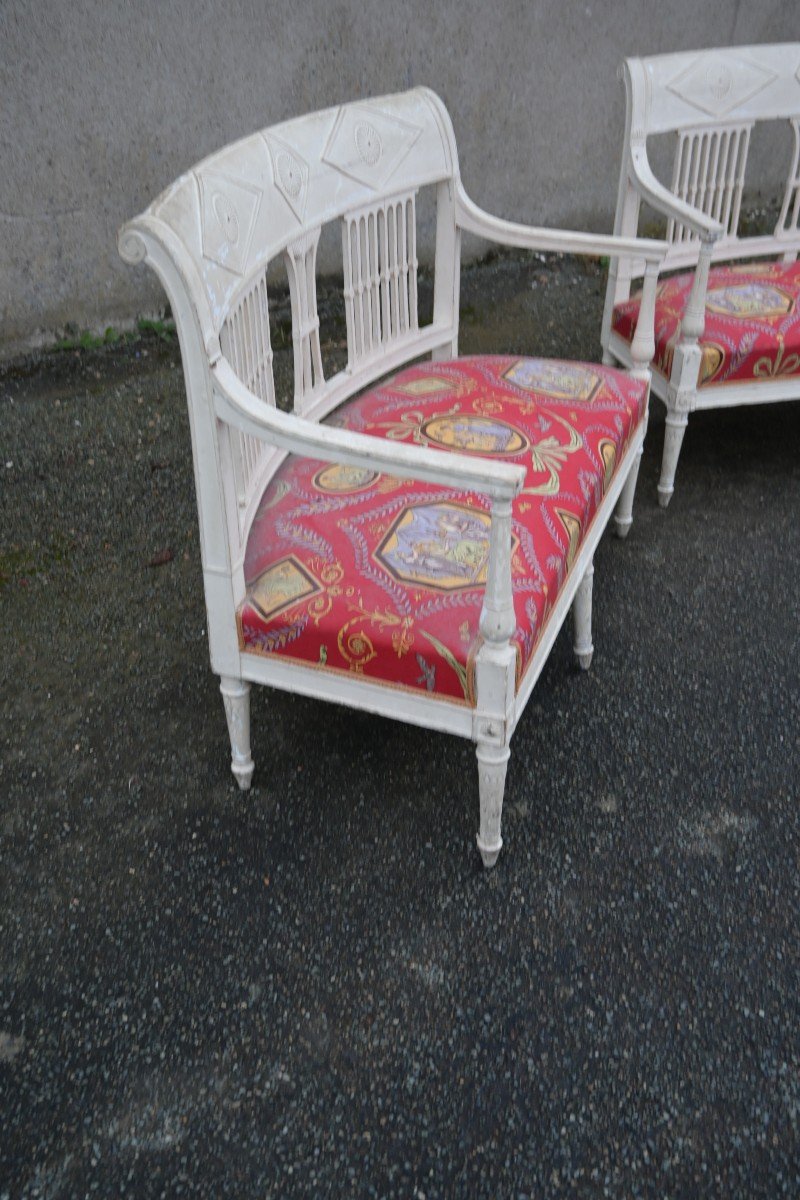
column 210, row 238
column 711, row 101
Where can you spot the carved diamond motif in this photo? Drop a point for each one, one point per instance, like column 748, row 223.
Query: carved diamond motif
column 228, row 209
column 290, row 172
column 717, row 84
column 367, row 144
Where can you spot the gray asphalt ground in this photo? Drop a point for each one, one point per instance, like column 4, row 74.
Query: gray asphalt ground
column 315, row 989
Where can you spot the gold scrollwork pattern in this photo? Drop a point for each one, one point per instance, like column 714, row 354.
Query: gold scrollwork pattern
column 355, row 644
column 782, row 364
column 549, row 456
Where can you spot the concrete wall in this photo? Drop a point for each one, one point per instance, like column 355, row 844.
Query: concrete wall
column 103, row 103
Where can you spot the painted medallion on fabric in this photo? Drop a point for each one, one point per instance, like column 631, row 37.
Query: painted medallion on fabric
column 442, row 546
column 473, row 434
column 608, row 453
column 432, row 385
column 713, row 358
column 339, row 477
column 564, row 380
column 282, row 585
column 751, row 299
column 572, row 528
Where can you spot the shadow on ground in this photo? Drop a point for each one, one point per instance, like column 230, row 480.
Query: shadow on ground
column 315, row 990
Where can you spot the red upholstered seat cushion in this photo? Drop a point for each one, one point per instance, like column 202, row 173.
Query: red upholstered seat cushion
column 752, row 326
column 352, row 571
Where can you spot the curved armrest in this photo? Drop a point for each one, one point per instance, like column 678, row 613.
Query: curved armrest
column 530, row 237
column 238, row 406
column 662, row 199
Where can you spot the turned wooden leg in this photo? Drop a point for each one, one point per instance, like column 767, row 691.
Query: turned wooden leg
column 582, row 620
column 492, row 763
column 623, row 514
column 673, row 440
column 495, row 683
column 236, row 696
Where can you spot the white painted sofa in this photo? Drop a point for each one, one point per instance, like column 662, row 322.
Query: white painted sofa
column 413, row 549
column 725, row 335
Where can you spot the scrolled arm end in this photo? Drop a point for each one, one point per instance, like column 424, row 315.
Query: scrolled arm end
column 131, row 245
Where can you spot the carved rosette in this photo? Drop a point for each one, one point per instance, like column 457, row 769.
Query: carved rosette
column 368, row 143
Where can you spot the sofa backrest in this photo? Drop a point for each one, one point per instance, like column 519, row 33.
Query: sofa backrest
column 213, row 234
column 711, row 100
column 268, row 196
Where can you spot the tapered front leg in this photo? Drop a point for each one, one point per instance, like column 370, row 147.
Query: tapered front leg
column 492, row 763
column 673, row 440
column 236, row 696
column 582, row 620
column 623, row 514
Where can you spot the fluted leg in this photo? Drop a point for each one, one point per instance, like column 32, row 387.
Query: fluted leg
column 623, row 515
column 582, row 620
column 236, row 696
column 492, row 763
column 673, row 440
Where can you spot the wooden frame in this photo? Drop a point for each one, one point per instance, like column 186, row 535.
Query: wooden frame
column 210, row 238
column 710, row 100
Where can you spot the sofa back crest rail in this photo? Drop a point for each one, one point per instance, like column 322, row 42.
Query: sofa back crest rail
column 725, row 335
column 411, row 549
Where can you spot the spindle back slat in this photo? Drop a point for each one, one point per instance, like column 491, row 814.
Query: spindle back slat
column 708, row 173
column 379, row 250
column 789, row 219
column 246, row 343
column 301, row 259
